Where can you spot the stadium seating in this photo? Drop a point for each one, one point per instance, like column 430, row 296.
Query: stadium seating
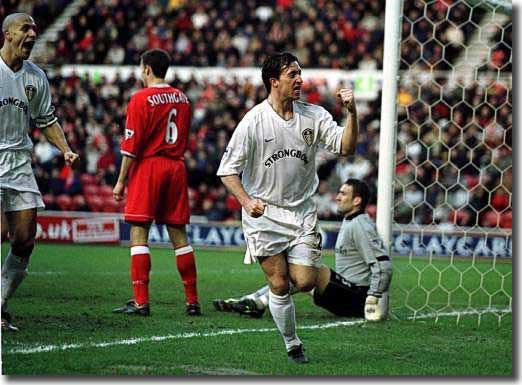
column 79, row 203
column 115, row 33
column 49, row 200
column 111, row 206
column 105, row 192
column 225, row 106
column 490, row 218
column 88, row 179
column 44, row 12
column 92, row 110
column 329, row 34
column 506, row 220
column 90, row 190
column 64, row 202
column 95, row 203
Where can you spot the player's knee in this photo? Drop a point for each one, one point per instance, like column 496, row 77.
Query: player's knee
column 22, row 245
column 341, row 298
column 279, row 285
column 304, row 284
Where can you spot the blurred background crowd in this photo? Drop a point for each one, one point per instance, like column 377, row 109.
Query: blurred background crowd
column 454, row 148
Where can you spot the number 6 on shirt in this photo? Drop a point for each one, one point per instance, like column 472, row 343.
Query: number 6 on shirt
column 171, row 135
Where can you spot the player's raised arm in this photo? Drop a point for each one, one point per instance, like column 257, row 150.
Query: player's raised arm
column 351, row 129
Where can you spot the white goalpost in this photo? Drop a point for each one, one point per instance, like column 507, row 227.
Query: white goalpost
column 445, row 168
column 387, row 139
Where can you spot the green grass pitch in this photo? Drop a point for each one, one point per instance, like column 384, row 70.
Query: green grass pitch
column 64, row 312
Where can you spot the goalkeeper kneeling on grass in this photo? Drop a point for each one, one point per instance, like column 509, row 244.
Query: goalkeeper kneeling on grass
column 359, row 285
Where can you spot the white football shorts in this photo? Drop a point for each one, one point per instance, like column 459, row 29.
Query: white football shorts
column 290, row 230
column 18, row 188
column 13, row 200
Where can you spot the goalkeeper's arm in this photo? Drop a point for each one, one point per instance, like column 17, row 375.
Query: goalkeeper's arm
column 376, row 306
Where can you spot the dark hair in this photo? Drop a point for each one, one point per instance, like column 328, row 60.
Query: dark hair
column 359, row 189
column 158, row 60
column 273, row 66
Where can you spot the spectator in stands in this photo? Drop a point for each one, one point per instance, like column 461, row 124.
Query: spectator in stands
column 220, row 106
column 239, row 37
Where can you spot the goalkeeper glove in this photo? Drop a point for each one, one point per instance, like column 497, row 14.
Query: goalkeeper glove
column 375, row 308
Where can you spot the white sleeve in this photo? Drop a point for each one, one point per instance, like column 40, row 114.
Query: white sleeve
column 235, row 156
column 43, row 113
column 330, row 134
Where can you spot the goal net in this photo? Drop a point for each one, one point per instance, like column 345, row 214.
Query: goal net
column 452, row 214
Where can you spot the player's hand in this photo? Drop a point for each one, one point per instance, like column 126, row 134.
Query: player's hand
column 347, row 98
column 118, row 191
column 375, row 308
column 255, row 208
column 71, row 159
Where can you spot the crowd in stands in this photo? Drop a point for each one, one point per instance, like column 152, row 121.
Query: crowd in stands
column 435, row 33
column 448, row 171
column 454, row 155
column 501, row 55
column 345, row 34
column 327, row 34
column 454, row 143
column 44, row 11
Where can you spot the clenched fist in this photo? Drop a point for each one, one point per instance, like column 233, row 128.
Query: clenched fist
column 71, row 159
column 255, row 207
column 347, row 98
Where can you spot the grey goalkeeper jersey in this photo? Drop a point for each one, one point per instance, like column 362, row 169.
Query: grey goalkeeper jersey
column 356, row 251
column 24, row 94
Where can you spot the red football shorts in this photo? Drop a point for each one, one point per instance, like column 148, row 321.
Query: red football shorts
column 158, row 191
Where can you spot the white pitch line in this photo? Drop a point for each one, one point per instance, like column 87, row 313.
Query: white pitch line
column 134, row 341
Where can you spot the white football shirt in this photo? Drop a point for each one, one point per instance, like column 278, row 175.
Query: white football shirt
column 24, row 94
column 277, row 157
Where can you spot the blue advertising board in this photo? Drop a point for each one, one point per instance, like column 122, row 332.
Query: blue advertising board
column 405, row 243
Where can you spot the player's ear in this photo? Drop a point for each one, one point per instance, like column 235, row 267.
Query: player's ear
column 274, row 82
column 357, row 201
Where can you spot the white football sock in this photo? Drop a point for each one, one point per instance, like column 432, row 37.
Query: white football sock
column 14, row 271
column 260, row 297
column 283, row 312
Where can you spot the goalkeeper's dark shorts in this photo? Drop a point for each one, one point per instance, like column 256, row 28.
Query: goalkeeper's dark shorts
column 341, row 297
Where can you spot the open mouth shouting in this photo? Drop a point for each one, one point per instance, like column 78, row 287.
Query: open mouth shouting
column 27, row 46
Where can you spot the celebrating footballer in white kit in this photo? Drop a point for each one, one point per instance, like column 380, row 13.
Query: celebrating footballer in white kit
column 24, row 94
column 273, row 149
column 359, row 285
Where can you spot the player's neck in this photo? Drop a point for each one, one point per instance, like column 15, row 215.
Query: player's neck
column 13, row 62
column 284, row 108
column 353, row 213
column 155, row 81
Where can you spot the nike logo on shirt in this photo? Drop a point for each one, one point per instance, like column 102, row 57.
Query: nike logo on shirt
column 269, row 140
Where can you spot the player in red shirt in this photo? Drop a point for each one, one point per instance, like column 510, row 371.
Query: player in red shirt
column 156, row 135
